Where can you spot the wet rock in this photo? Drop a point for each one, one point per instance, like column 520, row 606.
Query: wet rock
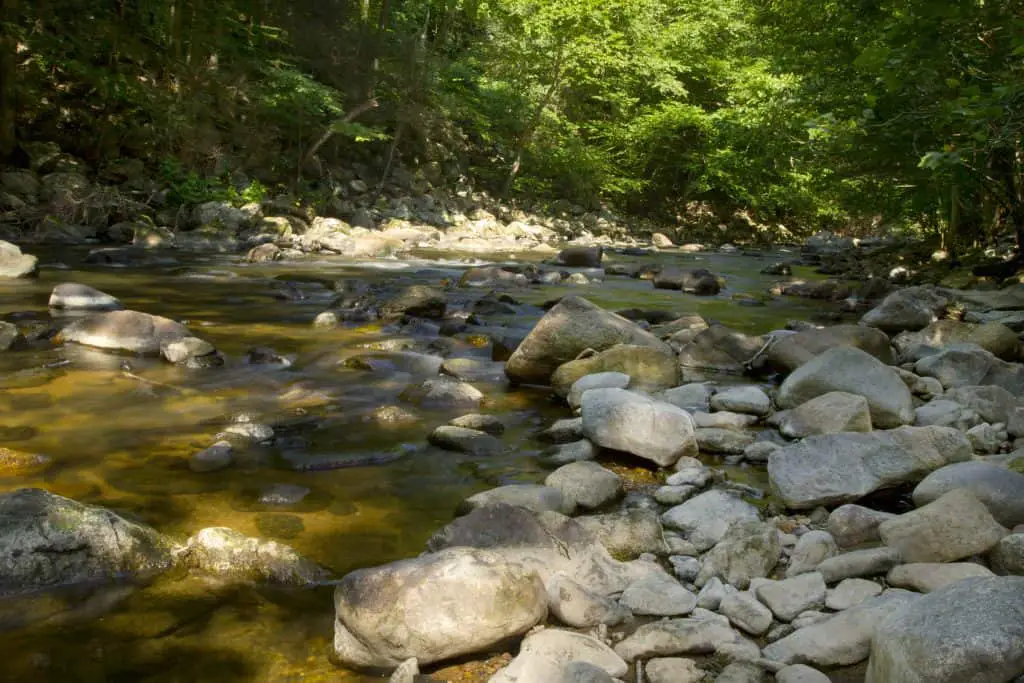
column 130, row 331
column 569, row 328
column 792, row 351
column 191, row 351
column 418, row 300
column 810, row 550
column 529, row 496
column 586, row 484
column 867, row 562
column 463, row 440
column 700, row 282
column 648, row 368
column 658, row 595
column 17, row 463
column 10, row 337
column 706, row 518
column 563, row 431
column 545, row 655
column 1001, row 491
column 217, row 457
column 255, row 432
column 748, row 550
column 852, row 525
column 912, row 308
column 14, row 264
column 788, row 598
column 433, row 607
column 474, row 369
column 853, row 371
column 484, row 423
column 74, row 296
column 575, row 606
column 693, row 398
column 850, row 593
column 829, row 413
column 843, row 639
column 628, row 533
column 954, row 526
column 263, row 253
column 236, row 557
column 283, row 494
column 717, row 349
column 838, row 468
column 47, row 540
column 626, row 421
column 675, row 637
column 969, row 631
column 563, row 454
column 442, row 393
column 925, row 577
column 674, row 670
column 747, row 400
column 581, row 257
column 491, row 276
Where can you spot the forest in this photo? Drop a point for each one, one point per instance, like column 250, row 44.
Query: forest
column 895, row 116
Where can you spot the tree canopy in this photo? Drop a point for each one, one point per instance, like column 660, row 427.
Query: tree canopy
column 895, row 114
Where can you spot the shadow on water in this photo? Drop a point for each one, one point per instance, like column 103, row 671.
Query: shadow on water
column 124, row 442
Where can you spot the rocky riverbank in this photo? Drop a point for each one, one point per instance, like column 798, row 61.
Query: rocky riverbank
column 888, row 533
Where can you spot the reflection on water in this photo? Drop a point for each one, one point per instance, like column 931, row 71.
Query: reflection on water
column 376, row 490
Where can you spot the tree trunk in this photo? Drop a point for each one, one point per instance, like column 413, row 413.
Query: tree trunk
column 531, row 129
column 8, row 58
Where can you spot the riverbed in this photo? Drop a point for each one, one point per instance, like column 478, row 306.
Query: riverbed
column 119, row 432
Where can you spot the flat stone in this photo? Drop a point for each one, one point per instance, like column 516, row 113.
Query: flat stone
column 955, row 526
column 850, row 593
column 216, row 457
column 706, row 518
column 598, row 380
column 670, row 637
column 787, row 599
column 129, row 331
column 464, row 440
column 829, row 413
column 1001, row 491
column 748, row 550
column 530, row 496
column 852, row 525
column 586, row 484
column 746, row 613
column 868, row 562
column 674, row 670
column 74, row 296
column 810, row 550
column 925, row 577
column 723, row 441
column 658, row 595
column 749, row 400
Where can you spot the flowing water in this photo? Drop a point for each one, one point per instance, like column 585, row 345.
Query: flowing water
column 122, row 440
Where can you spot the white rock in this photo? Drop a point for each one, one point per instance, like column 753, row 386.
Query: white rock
column 748, row 400
column 787, row 599
column 658, row 595
column 745, row 612
column 850, row 593
column 706, row 518
column 626, row 421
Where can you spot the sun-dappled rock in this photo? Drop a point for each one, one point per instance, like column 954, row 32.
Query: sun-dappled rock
column 230, row 555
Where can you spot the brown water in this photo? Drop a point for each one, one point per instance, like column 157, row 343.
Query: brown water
column 123, row 441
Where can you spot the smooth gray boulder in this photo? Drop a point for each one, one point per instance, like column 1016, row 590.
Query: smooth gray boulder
column 706, row 518
column 913, row 308
column 434, row 607
column 658, row 595
column 676, row 637
column 598, row 380
column 963, row 365
column 530, row 496
column 866, row 562
column 748, row 550
column 130, row 331
column 841, row 640
column 442, row 393
column 850, row 593
column 830, row 413
column 840, row 468
column 569, row 328
column 810, row 550
column 544, row 655
column 74, row 296
column 991, row 403
column 1001, row 490
column 694, row 397
column 722, row 441
column 575, row 606
column 747, row 400
column 925, row 577
column 627, row 533
column 718, row 349
column 586, row 484
column 230, row 555
column 625, row 421
column 788, row 598
column 954, row 526
column 852, row 371
column 463, row 440
column 648, row 368
column 788, row 353
column 745, row 612
column 47, row 540
column 852, row 525
column 968, row 632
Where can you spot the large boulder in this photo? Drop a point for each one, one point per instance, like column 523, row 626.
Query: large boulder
column 968, row 632
column 648, row 368
column 954, row 526
column 853, row 371
column 995, row 338
column 912, row 308
column 544, row 656
column 840, row 468
column 131, row 331
column 962, row 365
column 74, row 296
column 434, row 607
column 791, row 351
column 569, row 328
column 700, row 282
column 717, row 349
column 47, row 540
column 1001, row 490
column 830, row 413
column 843, row 639
column 625, row 421
column 14, row 264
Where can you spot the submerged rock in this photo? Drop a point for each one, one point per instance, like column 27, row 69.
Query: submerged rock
column 234, row 556
column 434, row 607
column 47, row 540
column 649, row 368
column 74, row 296
column 581, row 257
column 130, row 331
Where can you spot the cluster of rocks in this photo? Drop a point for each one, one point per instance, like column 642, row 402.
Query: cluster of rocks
column 698, row 579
